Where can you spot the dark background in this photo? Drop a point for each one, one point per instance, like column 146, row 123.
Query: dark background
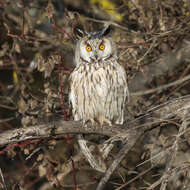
column 37, row 41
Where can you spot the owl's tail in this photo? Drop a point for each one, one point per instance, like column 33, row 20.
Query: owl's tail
column 96, row 160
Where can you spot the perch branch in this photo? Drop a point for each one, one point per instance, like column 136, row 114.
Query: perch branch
column 58, row 128
column 128, row 133
column 179, row 107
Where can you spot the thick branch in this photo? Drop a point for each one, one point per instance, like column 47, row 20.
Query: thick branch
column 178, row 107
column 54, row 129
column 59, row 127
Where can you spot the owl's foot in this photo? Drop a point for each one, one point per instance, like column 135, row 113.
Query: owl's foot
column 90, row 121
column 93, row 122
column 103, row 120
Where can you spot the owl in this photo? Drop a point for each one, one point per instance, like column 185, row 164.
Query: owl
column 98, row 86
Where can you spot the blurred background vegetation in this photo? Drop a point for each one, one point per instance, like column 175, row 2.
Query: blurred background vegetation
column 37, row 41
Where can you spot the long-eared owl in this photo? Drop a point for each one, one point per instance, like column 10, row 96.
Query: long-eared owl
column 98, row 84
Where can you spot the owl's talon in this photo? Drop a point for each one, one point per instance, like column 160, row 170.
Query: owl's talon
column 103, row 119
column 90, row 122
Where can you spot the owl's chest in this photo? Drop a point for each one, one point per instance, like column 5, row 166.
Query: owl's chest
column 94, row 81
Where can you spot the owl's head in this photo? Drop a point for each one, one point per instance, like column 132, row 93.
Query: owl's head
column 94, row 47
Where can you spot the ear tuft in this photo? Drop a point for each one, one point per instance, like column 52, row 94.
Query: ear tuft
column 79, row 32
column 106, row 30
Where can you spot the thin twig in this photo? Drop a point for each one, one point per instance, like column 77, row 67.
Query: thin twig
column 122, row 153
column 3, row 180
column 147, row 52
column 108, row 23
column 135, row 178
column 161, row 88
column 6, row 120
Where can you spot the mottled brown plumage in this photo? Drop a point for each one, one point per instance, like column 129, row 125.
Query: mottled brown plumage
column 98, row 88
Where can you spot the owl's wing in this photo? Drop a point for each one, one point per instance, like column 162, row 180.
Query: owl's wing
column 73, row 95
column 122, row 93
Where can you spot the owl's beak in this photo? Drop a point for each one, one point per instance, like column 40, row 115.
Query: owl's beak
column 94, row 57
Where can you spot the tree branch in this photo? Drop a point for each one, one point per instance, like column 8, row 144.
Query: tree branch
column 58, row 128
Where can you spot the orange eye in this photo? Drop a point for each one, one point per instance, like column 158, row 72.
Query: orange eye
column 88, row 48
column 101, row 47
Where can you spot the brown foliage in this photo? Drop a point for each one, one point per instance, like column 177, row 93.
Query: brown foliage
column 37, row 39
